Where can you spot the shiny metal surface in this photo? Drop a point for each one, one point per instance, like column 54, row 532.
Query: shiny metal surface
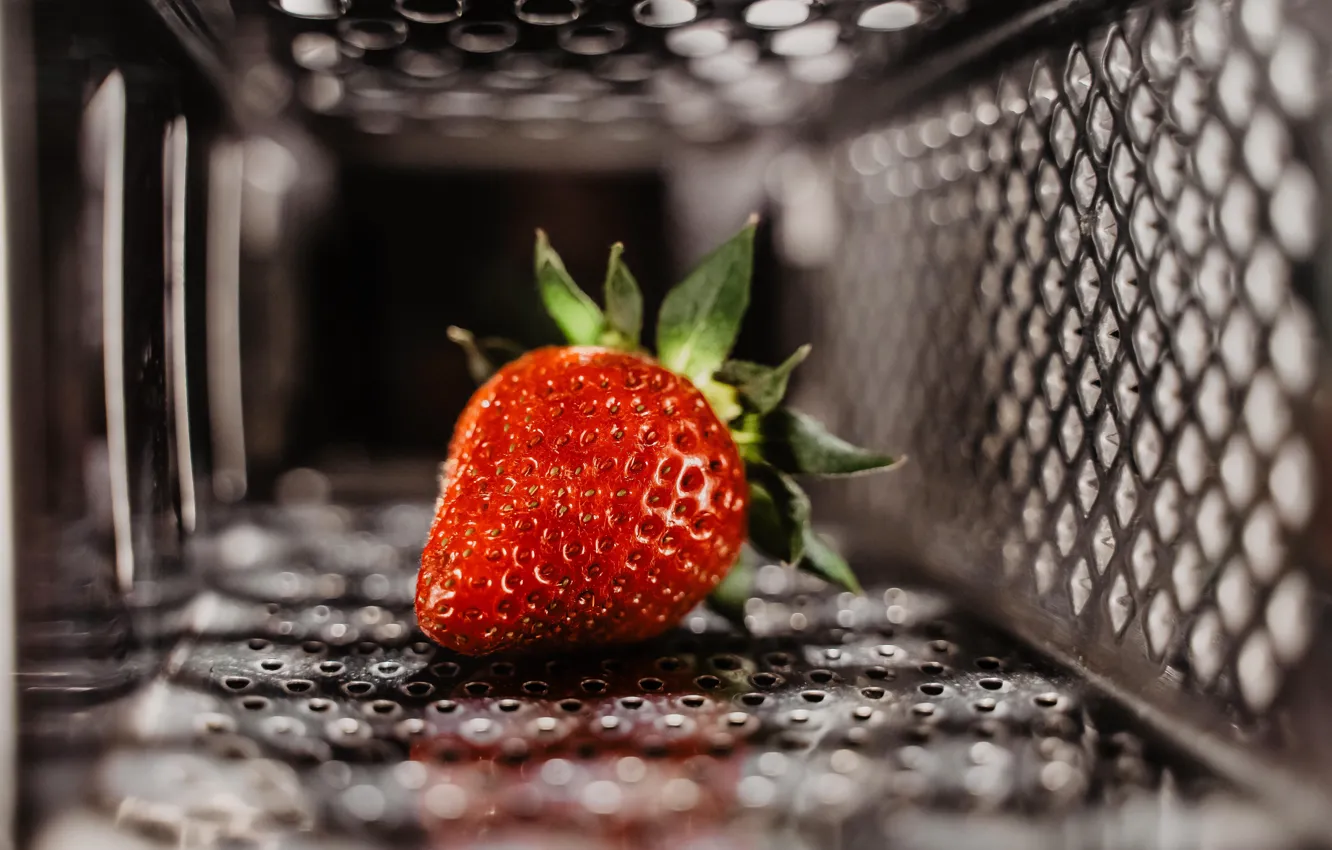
column 1094, row 277
column 301, row 701
column 1069, row 257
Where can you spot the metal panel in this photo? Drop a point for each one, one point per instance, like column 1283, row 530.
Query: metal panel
column 1080, row 290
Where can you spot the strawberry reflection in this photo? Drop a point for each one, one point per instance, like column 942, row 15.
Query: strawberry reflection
column 612, row 771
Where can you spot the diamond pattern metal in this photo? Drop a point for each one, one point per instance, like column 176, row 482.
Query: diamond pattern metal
column 1152, row 212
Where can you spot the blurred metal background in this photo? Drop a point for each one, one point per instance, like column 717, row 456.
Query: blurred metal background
column 1069, row 257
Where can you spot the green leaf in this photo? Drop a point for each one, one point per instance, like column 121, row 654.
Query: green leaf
column 799, row 444
column 484, row 356
column 824, row 561
column 761, row 387
column 778, row 513
column 579, row 317
column 701, row 316
column 624, row 300
column 728, row 598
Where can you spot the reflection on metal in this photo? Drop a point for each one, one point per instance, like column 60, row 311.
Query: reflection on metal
column 176, row 162
column 808, row 214
column 105, row 131
column 8, row 490
column 226, row 195
column 271, row 172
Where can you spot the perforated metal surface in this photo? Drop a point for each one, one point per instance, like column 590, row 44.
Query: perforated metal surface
column 299, row 704
column 1093, row 273
column 1074, row 287
column 552, row 68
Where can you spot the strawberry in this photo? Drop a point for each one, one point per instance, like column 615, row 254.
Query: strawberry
column 594, row 495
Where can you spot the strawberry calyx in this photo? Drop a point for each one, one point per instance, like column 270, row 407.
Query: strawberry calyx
column 697, row 328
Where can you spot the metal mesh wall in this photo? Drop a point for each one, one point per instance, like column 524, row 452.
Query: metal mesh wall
column 1080, row 293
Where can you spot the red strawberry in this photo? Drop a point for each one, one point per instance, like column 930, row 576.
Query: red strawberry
column 594, row 495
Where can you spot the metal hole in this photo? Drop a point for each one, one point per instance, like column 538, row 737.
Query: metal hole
column 509, row 705
column 821, row 677
column 632, row 702
column 259, row 644
column 989, row 663
column 373, row 33
column 357, row 689
column 421, row 648
column 872, row 693
column 571, row 705
column 664, row 13
column 725, row 662
column 548, row 12
column 693, row 700
column 271, row 665
column 536, row 688
column 813, row 696
column 319, row 705
column 765, row 680
column 298, row 686
column 236, row 683
column 431, row 11
column 237, row 750
column 477, row 689
column 383, row 706
column 445, row 706
column 332, row 668
column 940, row 645
column 932, row 668
column 669, row 664
column 388, row 668
column 483, row 36
column 593, row 686
column 777, row 659
column 932, row 689
column 313, row 647
column 776, row 14
column 1046, row 700
column 700, row 40
column 216, row 724
column 313, row 9
column 445, row 669
column 367, row 647
column 986, row 704
column 708, row 682
column 878, row 673
column 281, row 726
column 418, row 689
column 410, row 728
column 593, row 39
column 892, row 16
column 254, row 703
column 991, row 684
column 651, row 684
column 752, row 699
column 502, row 668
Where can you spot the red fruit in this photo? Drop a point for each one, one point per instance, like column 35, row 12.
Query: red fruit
column 591, row 496
column 594, row 495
